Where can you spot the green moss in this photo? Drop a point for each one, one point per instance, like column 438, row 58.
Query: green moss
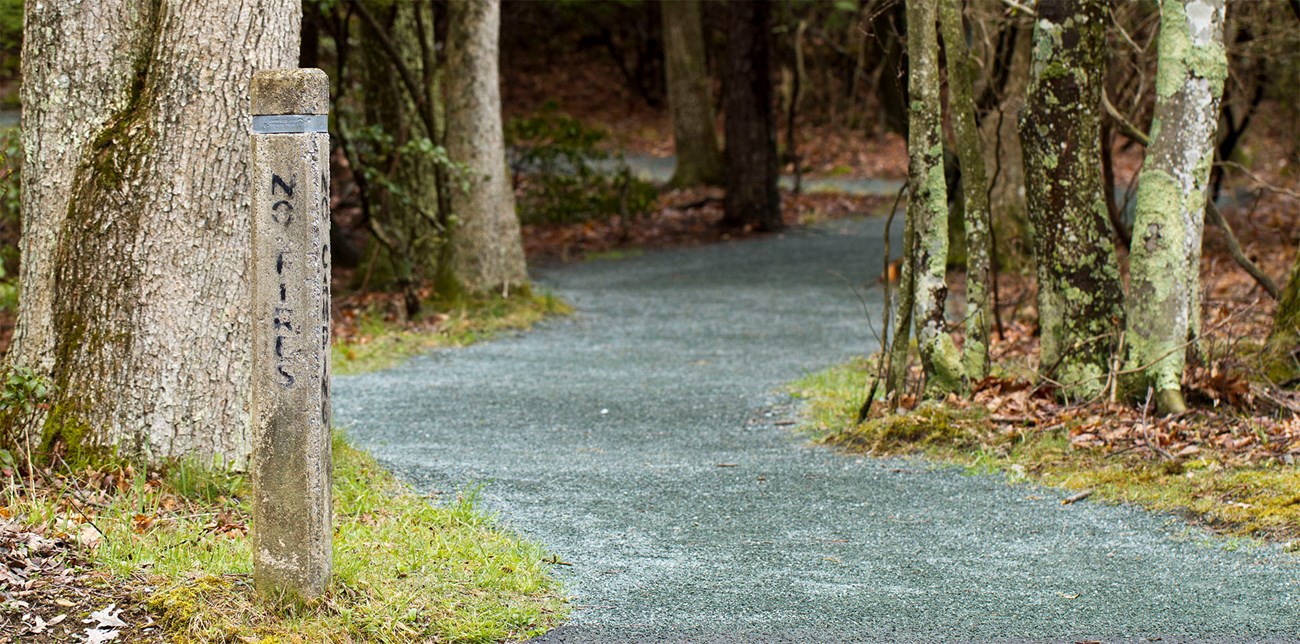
column 1261, row 500
column 1181, row 58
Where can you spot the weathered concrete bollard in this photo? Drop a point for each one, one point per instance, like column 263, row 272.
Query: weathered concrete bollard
column 292, row 522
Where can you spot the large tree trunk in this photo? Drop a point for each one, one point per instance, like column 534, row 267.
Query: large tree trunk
column 402, row 195
column 487, row 251
column 1164, row 304
column 927, row 202
column 1080, row 302
column 752, row 198
column 974, row 185
column 695, row 139
column 134, row 298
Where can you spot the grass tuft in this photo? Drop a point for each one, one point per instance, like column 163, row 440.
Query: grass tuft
column 382, row 343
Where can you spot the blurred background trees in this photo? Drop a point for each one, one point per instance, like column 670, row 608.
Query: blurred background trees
column 634, row 123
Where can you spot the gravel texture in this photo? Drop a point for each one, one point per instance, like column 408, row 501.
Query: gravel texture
column 645, row 441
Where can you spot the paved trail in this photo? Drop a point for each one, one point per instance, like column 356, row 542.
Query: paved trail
column 602, row 437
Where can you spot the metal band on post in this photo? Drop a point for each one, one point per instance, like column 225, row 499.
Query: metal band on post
column 292, row 522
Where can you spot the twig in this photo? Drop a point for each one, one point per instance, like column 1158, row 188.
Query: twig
column 1258, row 181
column 1125, row 126
column 1146, row 435
column 1016, row 5
column 1234, row 249
column 1075, row 498
column 884, row 361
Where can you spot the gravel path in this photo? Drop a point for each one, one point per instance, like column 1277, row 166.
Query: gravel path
column 643, row 441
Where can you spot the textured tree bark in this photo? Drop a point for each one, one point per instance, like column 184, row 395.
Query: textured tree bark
column 487, row 251
column 927, row 203
column 896, row 374
column 1080, row 303
column 974, row 185
column 695, row 138
column 1164, row 297
column 752, row 197
column 134, row 298
column 403, row 193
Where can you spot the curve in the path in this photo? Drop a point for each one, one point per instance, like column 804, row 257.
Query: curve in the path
column 640, row 441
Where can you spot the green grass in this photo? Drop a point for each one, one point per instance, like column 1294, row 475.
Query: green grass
column 469, row 320
column 1260, row 501
column 405, row 568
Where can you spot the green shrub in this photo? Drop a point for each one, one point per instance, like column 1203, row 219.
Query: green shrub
column 567, row 177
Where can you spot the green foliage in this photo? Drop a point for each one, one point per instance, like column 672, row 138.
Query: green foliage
column 567, row 176
column 11, row 155
column 23, row 398
column 11, row 38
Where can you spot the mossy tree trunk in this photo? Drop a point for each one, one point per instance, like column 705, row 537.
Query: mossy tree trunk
column 1080, row 305
column 752, row 198
column 1164, row 305
column 134, row 294
column 486, row 248
column 927, row 203
column 974, row 186
column 1282, row 352
column 695, row 137
column 398, row 152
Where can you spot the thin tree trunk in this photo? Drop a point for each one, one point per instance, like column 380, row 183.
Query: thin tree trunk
column 896, row 373
column 975, row 196
column 1282, row 351
column 1164, row 299
column 752, row 197
column 403, row 194
column 927, row 203
column 134, row 298
column 695, row 137
column 1006, row 189
column 1080, row 306
column 487, row 251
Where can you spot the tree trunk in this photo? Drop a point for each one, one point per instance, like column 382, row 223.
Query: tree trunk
column 1010, row 219
column 403, row 191
column 487, row 251
column 134, row 295
column 1079, row 297
column 1164, row 297
column 695, row 139
column 974, row 185
column 752, row 198
column 927, row 202
column 1282, row 352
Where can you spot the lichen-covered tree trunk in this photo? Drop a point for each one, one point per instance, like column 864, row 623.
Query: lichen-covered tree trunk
column 134, row 295
column 974, row 185
column 927, row 203
column 1080, row 303
column 487, row 251
column 1164, row 305
column 1282, row 351
column 402, row 192
column 896, row 374
column 695, row 137
column 752, row 198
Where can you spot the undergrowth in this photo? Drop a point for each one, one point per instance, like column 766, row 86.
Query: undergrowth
column 1260, row 499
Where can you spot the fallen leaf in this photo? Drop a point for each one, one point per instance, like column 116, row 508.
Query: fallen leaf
column 106, row 618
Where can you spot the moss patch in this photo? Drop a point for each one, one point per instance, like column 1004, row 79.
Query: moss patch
column 1258, row 500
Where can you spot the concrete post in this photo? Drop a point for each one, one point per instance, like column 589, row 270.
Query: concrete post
column 292, row 522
